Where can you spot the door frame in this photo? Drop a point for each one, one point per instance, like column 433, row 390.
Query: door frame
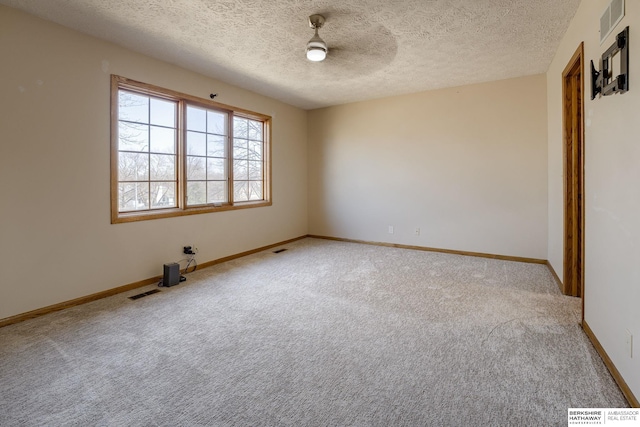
column 573, row 177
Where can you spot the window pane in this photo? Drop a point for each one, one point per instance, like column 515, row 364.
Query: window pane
column 255, row 170
column 125, row 196
column 163, row 112
column 240, row 169
column 196, row 168
column 255, row 150
column 255, row 190
column 163, row 195
column 240, row 127
column 133, row 196
column 216, row 169
column 196, row 119
column 132, row 107
column 196, row 144
column 216, row 191
column 196, row 193
column 255, row 130
column 216, row 123
column 241, row 191
column 163, row 140
column 240, row 149
column 216, row 146
column 163, row 167
column 133, row 167
column 133, row 137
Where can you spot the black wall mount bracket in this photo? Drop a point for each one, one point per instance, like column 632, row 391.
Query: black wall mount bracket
column 602, row 81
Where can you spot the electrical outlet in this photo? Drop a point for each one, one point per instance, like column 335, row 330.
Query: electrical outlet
column 629, row 342
column 391, row 229
column 417, row 232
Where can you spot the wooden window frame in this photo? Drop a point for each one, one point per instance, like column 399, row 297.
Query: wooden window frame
column 117, row 83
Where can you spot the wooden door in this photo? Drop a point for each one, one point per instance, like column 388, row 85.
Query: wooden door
column 573, row 132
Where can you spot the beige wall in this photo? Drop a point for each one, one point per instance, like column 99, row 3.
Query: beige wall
column 612, row 179
column 466, row 165
column 56, row 240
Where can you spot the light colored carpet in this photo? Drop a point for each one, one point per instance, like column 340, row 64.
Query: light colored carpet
column 324, row 334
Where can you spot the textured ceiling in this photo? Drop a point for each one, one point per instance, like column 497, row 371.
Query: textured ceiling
column 377, row 48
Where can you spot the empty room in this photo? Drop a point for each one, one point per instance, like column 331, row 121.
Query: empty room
column 287, row 213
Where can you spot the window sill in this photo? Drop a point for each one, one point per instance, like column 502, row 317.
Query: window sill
column 170, row 213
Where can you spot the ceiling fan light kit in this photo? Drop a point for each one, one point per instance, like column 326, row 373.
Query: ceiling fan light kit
column 316, row 47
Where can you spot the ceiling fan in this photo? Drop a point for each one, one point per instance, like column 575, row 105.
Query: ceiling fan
column 359, row 49
column 316, row 47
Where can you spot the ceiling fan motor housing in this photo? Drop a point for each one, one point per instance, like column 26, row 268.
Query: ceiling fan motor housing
column 316, row 21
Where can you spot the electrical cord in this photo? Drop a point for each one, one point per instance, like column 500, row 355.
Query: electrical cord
column 191, row 259
column 195, row 265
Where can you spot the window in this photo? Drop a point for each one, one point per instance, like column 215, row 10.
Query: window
column 174, row 154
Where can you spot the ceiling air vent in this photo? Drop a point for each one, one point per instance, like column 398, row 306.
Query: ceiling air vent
column 610, row 18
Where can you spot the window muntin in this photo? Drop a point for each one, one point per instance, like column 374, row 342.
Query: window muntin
column 147, row 159
column 175, row 154
column 207, row 159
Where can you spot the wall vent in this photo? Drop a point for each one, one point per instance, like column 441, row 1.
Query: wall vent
column 611, row 16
